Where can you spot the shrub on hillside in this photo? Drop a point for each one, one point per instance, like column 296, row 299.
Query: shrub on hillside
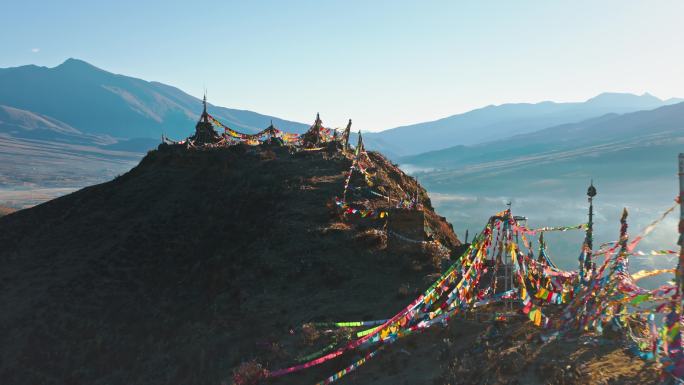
column 248, row 373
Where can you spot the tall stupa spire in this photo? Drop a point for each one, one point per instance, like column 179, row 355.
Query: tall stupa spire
column 204, row 131
column 312, row 138
column 205, row 117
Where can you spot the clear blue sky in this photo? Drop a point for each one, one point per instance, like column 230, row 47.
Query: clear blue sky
column 383, row 63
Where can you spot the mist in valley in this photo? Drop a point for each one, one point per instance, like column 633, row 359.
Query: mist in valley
column 470, row 208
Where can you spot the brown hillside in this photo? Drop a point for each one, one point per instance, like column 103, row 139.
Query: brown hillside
column 6, row 210
column 194, row 261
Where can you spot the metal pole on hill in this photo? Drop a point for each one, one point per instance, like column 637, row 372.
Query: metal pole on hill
column 589, row 235
column 680, row 264
column 389, row 210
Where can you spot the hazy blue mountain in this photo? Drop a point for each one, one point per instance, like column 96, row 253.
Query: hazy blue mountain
column 66, row 127
column 611, row 130
column 24, row 124
column 94, row 101
column 20, row 122
column 597, row 146
column 495, row 122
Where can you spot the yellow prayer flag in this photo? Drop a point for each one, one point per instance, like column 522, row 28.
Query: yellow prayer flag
column 537, row 318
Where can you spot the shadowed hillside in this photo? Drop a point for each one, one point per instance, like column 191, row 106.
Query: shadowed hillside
column 197, row 261
column 192, row 262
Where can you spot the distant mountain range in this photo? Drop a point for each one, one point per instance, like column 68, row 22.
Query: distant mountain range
column 78, row 102
column 83, row 99
column 616, row 147
column 497, row 122
column 76, row 124
column 25, row 124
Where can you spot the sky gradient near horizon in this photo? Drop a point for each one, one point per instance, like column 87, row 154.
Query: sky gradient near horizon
column 382, row 63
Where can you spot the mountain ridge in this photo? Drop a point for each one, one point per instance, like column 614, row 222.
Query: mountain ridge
column 26, row 124
column 96, row 101
column 505, row 120
column 600, row 130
